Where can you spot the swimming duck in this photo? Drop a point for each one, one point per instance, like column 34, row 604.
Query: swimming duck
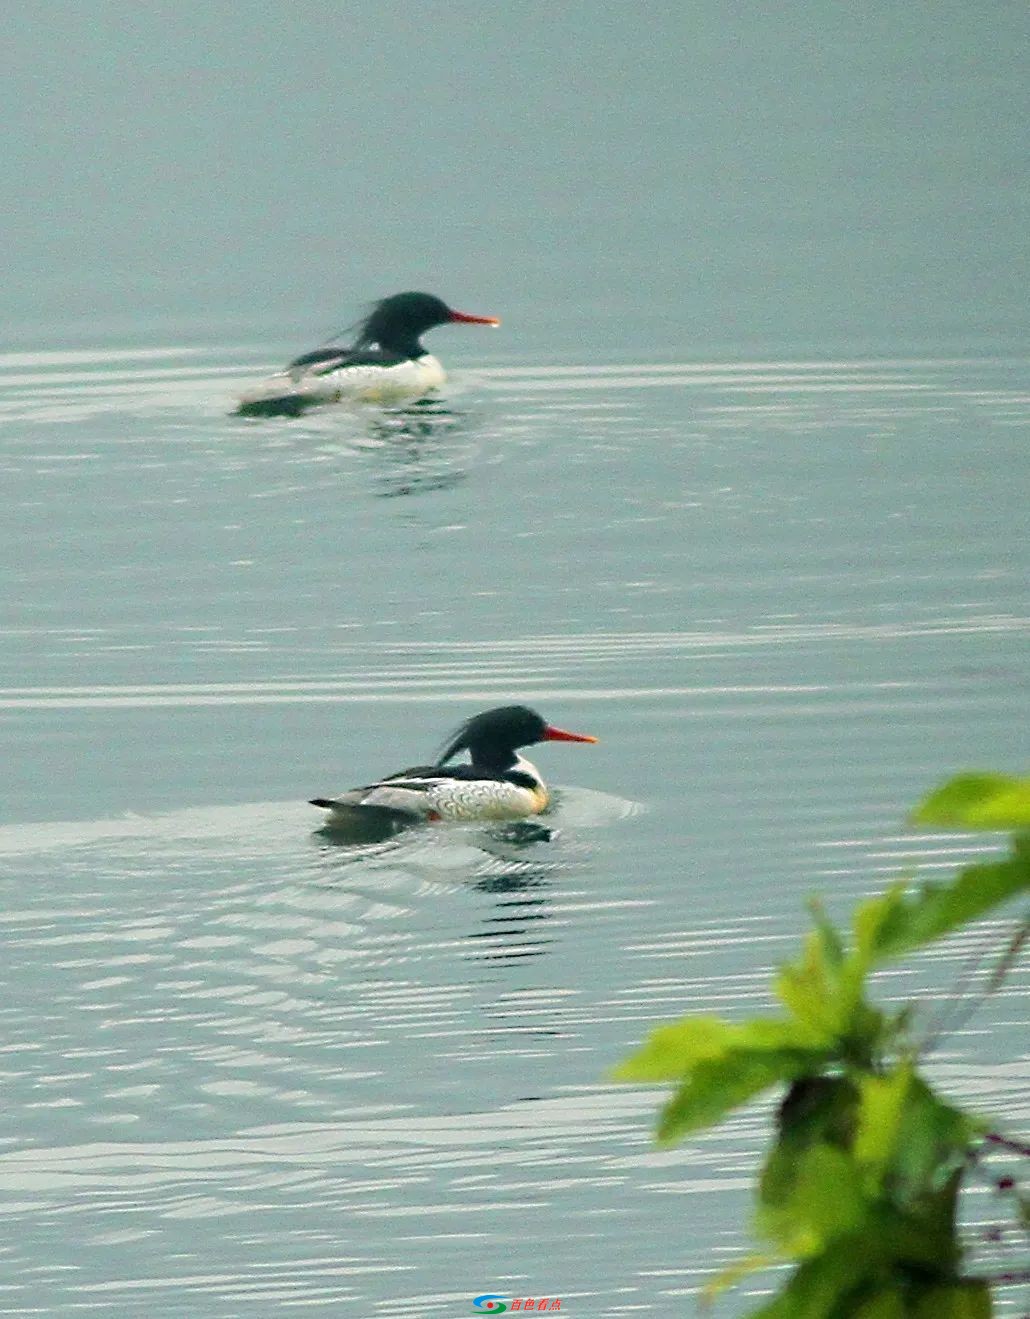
column 495, row 784
column 386, row 362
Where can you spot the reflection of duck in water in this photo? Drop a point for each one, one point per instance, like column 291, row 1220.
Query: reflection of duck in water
column 495, row 784
column 386, row 363
column 422, row 446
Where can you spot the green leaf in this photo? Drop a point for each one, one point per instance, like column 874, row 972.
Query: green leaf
column 912, row 1149
column 933, row 1141
column 924, row 1237
column 670, row 1052
column 903, row 924
column 884, row 1303
column 907, row 1141
column 821, row 1284
column 869, row 921
column 734, row 1273
column 958, row 1300
column 881, row 1112
column 821, row 1201
column 717, row 1086
column 833, row 945
column 977, row 801
column 818, row 1108
column 823, row 989
column 808, row 989
column 817, row 1111
column 720, row 1065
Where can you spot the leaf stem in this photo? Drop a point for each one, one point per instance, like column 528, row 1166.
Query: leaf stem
column 993, row 1138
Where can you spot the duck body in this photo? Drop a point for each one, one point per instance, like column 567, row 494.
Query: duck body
column 496, row 783
column 387, row 362
column 358, row 377
column 459, row 792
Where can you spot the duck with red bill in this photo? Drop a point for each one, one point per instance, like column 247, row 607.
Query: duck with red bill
column 386, row 362
column 496, row 783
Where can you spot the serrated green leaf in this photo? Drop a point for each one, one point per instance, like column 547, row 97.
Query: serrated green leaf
column 959, row 1300
column 977, row 801
column 670, row 1052
column 717, row 1086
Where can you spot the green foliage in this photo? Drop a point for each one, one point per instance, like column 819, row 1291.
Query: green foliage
column 977, row 801
column 861, row 1182
column 673, row 1050
column 937, row 909
column 963, row 1300
column 725, row 1065
column 821, row 1285
column 716, row 1087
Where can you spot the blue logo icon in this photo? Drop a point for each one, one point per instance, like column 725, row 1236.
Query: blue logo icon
column 490, row 1303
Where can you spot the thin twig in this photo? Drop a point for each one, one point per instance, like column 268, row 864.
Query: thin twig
column 957, row 998
column 993, row 1138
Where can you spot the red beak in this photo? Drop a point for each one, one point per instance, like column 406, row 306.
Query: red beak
column 552, row 734
column 466, row 319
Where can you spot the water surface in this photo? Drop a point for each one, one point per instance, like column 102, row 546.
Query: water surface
column 247, row 1067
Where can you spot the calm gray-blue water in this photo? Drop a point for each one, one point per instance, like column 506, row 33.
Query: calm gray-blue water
column 246, row 1068
column 738, row 487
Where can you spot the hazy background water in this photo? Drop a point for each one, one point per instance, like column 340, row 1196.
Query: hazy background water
column 736, row 487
